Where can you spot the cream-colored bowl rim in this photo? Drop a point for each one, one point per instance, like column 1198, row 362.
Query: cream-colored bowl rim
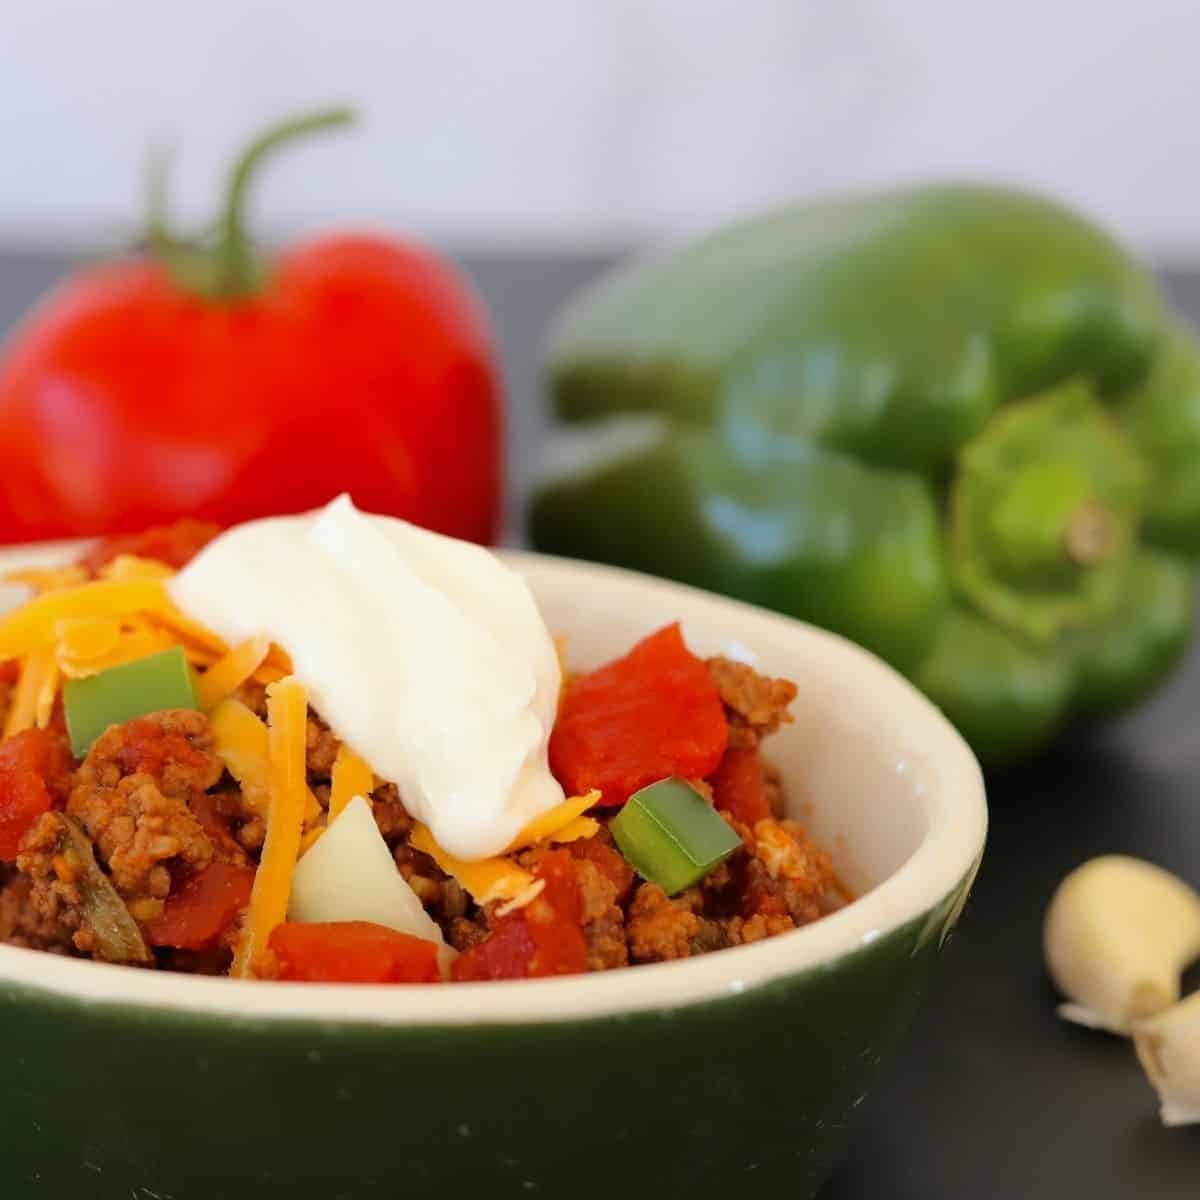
column 950, row 849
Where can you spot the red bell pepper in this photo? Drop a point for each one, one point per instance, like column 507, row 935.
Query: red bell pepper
column 352, row 952
column 202, row 908
column 34, row 777
column 206, row 380
column 650, row 715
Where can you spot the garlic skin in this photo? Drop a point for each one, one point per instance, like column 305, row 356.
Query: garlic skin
column 1168, row 1046
column 1118, row 934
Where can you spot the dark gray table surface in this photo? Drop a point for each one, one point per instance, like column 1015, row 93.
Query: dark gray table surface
column 990, row 1095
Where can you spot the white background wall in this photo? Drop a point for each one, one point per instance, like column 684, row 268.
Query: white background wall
column 594, row 120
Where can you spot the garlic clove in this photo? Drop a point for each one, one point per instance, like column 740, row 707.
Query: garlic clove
column 1168, row 1046
column 1118, row 934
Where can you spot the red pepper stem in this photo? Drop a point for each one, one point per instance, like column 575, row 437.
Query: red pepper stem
column 236, row 270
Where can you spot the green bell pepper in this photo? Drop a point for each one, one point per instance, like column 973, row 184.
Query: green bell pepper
column 956, row 424
column 671, row 835
column 133, row 689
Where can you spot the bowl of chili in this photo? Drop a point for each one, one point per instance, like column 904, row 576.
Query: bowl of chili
column 688, row 1076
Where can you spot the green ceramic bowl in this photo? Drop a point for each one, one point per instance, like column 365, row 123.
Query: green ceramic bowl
column 737, row 1070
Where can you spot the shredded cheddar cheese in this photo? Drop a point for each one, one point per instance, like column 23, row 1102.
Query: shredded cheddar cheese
column 43, row 707
column 227, row 674
column 47, row 579
column 287, row 717
column 528, row 896
column 87, row 645
column 242, row 743
column 351, row 777
column 500, row 878
column 551, row 825
column 33, row 624
column 36, row 670
column 132, row 566
column 576, row 831
column 188, row 631
column 487, row 880
column 85, row 638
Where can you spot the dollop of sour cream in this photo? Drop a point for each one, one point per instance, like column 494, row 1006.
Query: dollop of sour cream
column 427, row 655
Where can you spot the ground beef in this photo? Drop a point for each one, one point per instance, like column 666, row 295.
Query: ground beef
column 252, row 833
column 741, row 931
column 131, row 797
column 755, row 704
column 173, row 747
column 463, row 932
column 321, row 745
column 321, row 748
column 25, row 921
column 603, row 920
column 658, row 928
column 254, row 696
column 773, row 788
column 425, row 878
column 391, row 816
column 780, row 873
column 139, row 834
column 222, row 816
column 43, row 906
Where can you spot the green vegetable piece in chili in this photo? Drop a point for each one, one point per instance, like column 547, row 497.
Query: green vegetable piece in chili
column 119, row 694
column 117, row 936
column 671, row 835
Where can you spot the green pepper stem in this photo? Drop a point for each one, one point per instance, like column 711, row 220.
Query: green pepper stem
column 1089, row 535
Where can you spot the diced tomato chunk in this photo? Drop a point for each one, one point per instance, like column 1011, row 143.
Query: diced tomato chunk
column 738, row 786
column 202, row 908
column 612, row 864
column 352, row 952
column 556, row 868
column 203, row 807
column 174, row 544
column 34, row 777
column 504, row 954
column 652, row 714
column 543, row 938
column 145, row 745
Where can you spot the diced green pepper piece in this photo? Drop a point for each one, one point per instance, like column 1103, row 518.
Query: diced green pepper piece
column 118, row 938
column 671, row 835
column 121, row 693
